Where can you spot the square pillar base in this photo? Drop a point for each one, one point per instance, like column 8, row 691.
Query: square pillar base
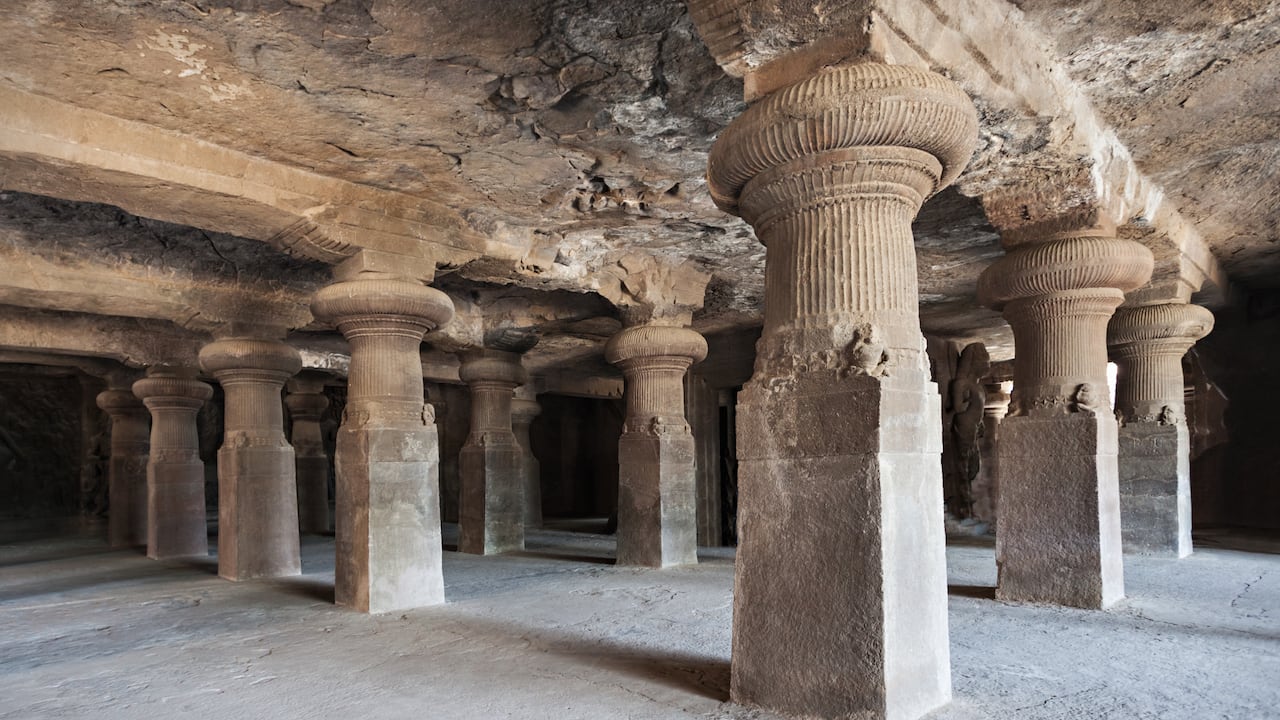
column 491, row 509
column 1155, row 488
column 257, row 513
column 657, row 506
column 840, row 597
column 176, row 524
column 388, row 519
column 1059, row 535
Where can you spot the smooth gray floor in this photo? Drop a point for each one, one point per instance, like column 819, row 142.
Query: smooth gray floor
column 558, row 632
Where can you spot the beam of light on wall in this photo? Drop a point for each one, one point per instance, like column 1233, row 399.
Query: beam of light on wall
column 1111, row 383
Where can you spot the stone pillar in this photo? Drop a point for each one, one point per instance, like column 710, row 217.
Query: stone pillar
column 307, row 403
column 387, row 522
column 524, row 408
column 257, row 485
column 127, row 467
column 176, row 524
column 1147, row 345
column 492, row 509
column 840, row 599
column 657, row 493
column 986, row 487
column 1059, row 538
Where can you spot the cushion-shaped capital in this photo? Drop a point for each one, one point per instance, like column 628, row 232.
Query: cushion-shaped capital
column 655, row 341
column 232, row 355
column 384, row 304
column 869, row 104
column 1065, row 264
column 1174, row 321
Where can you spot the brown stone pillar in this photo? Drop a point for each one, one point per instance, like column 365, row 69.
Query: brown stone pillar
column 986, row 487
column 1059, row 538
column 387, row 462
column 657, row 494
column 257, row 486
column 127, row 467
column 307, row 403
column 524, row 408
column 176, row 524
column 1147, row 345
column 840, row 599
column 492, row 509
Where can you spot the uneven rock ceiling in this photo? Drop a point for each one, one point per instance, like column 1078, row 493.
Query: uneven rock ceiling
column 158, row 159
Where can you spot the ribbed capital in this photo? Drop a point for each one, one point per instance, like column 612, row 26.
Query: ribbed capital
column 493, row 367
column 635, row 345
column 306, row 406
column 119, row 402
column 382, row 306
column 864, row 105
column 524, row 410
column 1065, row 263
column 172, row 388
column 1181, row 323
column 251, row 358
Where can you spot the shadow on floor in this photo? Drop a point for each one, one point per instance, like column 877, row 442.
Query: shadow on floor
column 567, row 557
column 310, row 588
column 979, row 592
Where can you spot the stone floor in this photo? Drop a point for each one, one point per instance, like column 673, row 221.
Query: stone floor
column 558, row 632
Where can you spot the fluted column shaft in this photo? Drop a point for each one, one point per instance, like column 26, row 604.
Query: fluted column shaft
column 307, row 403
column 127, row 467
column 524, row 408
column 491, row 463
column 839, row 430
column 657, row 492
column 176, row 524
column 387, row 523
column 1059, row 538
column 257, row 495
column 1147, row 344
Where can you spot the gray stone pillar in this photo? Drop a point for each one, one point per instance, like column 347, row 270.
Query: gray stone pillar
column 1147, row 344
column 387, row 522
column 1059, row 537
column 657, row 493
column 257, row 486
column 840, row 599
column 127, row 467
column 492, row 509
column 986, row 487
column 524, row 408
column 307, row 403
column 176, row 524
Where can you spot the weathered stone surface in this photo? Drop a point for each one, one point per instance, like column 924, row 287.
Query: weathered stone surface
column 257, row 485
column 387, row 521
column 1155, row 488
column 524, row 408
column 176, row 524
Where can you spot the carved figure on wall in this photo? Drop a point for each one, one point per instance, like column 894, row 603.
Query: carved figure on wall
column 966, row 399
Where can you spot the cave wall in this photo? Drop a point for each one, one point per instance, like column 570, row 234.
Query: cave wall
column 576, row 442
column 40, row 445
column 1236, row 483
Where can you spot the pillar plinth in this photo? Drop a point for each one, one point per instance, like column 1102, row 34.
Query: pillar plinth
column 657, row 494
column 127, row 467
column 257, row 493
column 176, row 524
column 307, row 403
column 1147, row 345
column 387, row 523
column 839, row 429
column 491, row 463
column 1059, row 537
column 524, row 408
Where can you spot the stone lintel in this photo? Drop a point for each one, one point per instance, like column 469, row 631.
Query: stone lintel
column 418, row 266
